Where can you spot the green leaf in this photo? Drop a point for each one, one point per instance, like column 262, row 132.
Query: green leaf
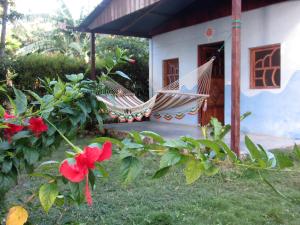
column 245, row 115
column 212, row 145
column 283, row 161
column 31, row 155
column 2, row 111
column 21, row 134
column 170, row 158
column 131, row 145
column 6, row 166
column 20, row 101
column 130, row 168
column 112, row 140
column 47, row 195
column 217, row 128
column 36, row 96
column 175, row 144
column 296, row 151
column 193, row 170
column 136, row 137
column 99, row 120
column 161, row 172
column 60, row 200
column 4, row 146
column 75, row 77
column 49, row 164
column 156, row 137
column 76, row 192
column 230, row 153
column 100, row 171
column 254, row 151
column 122, row 74
column 191, row 141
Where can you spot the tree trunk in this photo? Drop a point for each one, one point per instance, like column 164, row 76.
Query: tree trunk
column 3, row 31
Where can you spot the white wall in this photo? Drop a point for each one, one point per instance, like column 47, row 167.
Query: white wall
column 279, row 23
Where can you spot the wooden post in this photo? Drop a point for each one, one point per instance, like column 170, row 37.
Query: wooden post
column 93, row 57
column 235, row 75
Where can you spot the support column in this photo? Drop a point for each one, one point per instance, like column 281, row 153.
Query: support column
column 93, row 57
column 236, row 75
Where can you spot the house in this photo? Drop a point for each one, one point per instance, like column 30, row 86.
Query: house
column 185, row 34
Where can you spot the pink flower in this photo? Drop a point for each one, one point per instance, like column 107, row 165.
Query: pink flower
column 84, row 161
column 37, row 126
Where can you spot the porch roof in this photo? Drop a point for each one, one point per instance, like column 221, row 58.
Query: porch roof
column 146, row 18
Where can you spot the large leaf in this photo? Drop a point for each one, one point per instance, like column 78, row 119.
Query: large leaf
column 131, row 145
column 17, row 215
column 255, row 153
column 6, row 166
column 193, row 170
column 283, row 160
column 2, row 111
column 21, row 134
column 47, row 195
column 20, row 101
column 212, row 145
column 75, row 77
column 175, row 144
column 136, row 137
column 31, row 155
column 231, row 155
column 217, row 128
column 161, row 172
column 170, row 158
column 122, row 74
column 156, row 137
column 130, row 168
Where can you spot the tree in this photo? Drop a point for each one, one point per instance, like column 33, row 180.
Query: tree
column 4, row 4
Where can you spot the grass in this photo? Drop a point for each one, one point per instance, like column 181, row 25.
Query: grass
column 232, row 197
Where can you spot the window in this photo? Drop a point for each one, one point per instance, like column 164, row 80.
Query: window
column 170, row 71
column 265, row 67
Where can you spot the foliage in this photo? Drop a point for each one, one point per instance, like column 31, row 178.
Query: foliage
column 197, row 158
column 139, row 71
column 233, row 196
column 30, row 68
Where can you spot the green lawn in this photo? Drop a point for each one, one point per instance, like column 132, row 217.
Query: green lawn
column 236, row 197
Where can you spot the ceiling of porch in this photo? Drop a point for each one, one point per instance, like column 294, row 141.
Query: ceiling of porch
column 147, row 18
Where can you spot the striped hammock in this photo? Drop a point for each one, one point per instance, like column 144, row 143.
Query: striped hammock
column 124, row 105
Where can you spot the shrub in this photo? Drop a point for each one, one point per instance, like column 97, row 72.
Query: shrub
column 138, row 72
column 29, row 68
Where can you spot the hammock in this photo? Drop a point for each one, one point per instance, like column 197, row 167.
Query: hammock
column 188, row 93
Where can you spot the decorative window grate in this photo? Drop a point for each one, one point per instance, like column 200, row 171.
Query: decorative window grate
column 170, row 71
column 265, row 71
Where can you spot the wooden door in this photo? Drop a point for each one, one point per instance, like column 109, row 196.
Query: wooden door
column 215, row 103
column 170, row 71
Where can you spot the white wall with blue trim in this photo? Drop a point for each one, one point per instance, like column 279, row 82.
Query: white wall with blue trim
column 274, row 111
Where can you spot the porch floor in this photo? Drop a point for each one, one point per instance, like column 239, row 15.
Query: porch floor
column 172, row 131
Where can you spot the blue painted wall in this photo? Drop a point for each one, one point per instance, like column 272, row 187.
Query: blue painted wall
column 275, row 114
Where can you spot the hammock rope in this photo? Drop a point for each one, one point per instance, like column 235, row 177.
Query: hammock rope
column 189, row 91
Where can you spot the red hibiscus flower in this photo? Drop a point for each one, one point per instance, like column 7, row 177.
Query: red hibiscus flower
column 12, row 128
column 37, row 126
column 77, row 171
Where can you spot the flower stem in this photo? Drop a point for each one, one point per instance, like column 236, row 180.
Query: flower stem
column 75, row 148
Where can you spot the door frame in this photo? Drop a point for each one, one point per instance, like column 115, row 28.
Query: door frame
column 199, row 63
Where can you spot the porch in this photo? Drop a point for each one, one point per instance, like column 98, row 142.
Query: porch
column 173, row 131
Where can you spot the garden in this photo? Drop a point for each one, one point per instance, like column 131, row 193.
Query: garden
column 58, row 166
